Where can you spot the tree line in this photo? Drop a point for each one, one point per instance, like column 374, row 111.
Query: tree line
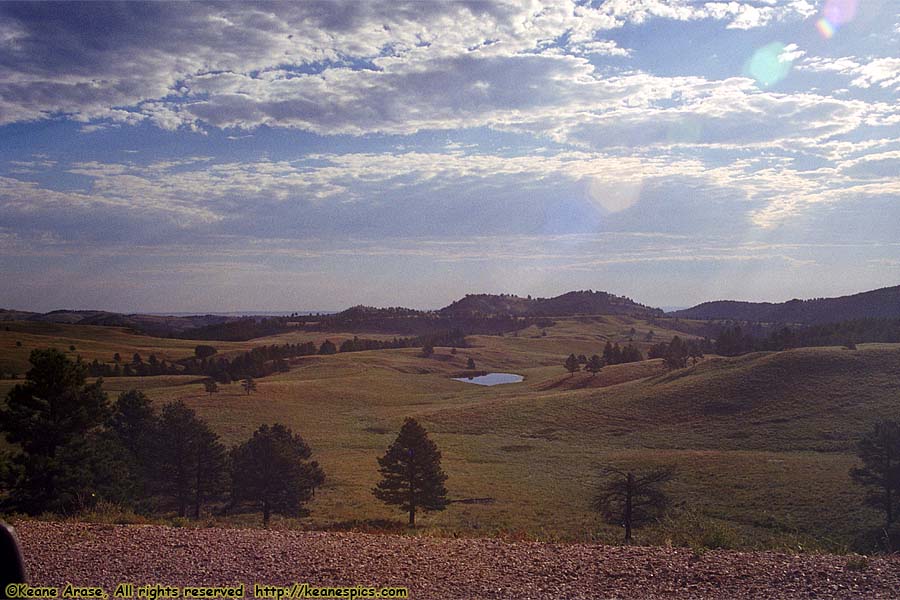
column 734, row 340
column 75, row 449
column 677, row 352
column 257, row 362
column 613, row 354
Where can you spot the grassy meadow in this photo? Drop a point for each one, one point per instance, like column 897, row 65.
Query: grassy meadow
column 763, row 442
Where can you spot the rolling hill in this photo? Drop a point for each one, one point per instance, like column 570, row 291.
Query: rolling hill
column 569, row 304
column 881, row 303
column 763, row 442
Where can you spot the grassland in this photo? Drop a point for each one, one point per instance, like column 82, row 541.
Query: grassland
column 763, row 443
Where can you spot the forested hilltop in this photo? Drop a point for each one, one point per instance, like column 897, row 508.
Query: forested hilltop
column 883, row 303
column 586, row 302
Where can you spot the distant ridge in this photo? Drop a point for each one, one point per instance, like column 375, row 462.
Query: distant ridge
column 151, row 324
column 882, row 303
column 582, row 302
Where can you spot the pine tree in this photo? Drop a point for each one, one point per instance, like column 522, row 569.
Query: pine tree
column 190, row 460
column 54, row 409
column 594, row 365
column 608, row 358
column 470, row 365
column 175, row 444
column 572, row 365
column 272, row 472
column 134, row 427
column 879, row 451
column 676, row 354
column 411, row 473
column 249, row 385
column 210, row 386
column 210, row 467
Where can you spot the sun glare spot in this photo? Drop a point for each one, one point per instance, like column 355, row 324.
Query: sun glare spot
column 614, row 197
column 769, row 64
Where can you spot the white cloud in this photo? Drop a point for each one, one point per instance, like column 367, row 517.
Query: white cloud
column 882, row 72
column 242, row 57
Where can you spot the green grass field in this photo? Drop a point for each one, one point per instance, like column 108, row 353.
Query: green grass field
column 763, row 442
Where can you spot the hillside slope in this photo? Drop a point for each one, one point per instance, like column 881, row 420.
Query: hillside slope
column 881, row 303
column 804, row 399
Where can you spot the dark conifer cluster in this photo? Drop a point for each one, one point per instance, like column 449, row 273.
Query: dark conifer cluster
column 77, row 449
column 677, row 352
column 258, row 362
column 613, row 354
column 734, row 340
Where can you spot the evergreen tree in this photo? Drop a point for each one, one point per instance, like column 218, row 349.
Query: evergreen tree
column 571, row 364
column 617, row 354
column 272, row 472
column 608, row 357
column 191, row 462
column 470, row 365
column 630, row 354
column 175, row 444
column 594, row 365
column 327, row 347
column 210, row 386
column 52, row 410
column 695, row 351
column 210, row 467
column 676, row 354
column 202, row 351
column 134, row 427
column 427, row 350
column 879, row 451
column 411, row 473
column 630, row 499
column 249, row 385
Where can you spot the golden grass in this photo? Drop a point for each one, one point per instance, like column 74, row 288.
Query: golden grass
column 763, row 442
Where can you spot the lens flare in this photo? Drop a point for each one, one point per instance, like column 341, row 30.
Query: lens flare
column 768, row 65
column 826, row 29
column 835, row 14
column 840, row 12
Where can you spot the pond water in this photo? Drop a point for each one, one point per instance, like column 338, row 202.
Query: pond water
column 492, row 379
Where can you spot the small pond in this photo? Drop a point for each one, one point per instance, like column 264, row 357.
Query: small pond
column 492, row 379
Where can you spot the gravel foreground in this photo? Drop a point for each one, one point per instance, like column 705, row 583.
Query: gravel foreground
column 105, row 555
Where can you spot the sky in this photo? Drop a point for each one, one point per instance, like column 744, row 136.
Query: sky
column 202, row 157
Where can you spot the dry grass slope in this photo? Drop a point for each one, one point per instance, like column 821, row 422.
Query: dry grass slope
column 763, row 442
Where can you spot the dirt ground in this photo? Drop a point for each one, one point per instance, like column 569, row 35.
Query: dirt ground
column 431, row 568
